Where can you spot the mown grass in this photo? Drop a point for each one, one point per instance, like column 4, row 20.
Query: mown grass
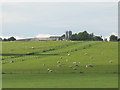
column 52, row 80
column 99, row 54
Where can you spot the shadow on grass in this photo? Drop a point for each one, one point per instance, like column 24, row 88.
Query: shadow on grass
column 27, row 54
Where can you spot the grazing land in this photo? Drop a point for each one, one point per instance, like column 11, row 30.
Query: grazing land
column 60, row 64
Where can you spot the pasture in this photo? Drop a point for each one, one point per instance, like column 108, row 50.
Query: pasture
column 60, row 64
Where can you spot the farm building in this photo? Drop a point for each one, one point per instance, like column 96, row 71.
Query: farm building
column 68, row 34
column 51, row 38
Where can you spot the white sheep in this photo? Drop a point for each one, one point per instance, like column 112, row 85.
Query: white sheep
column 60, row 57
column 69, row 54
column 50, row 70
column 75, row 68
column 74, row 62
column 85, row 53
column 43, row 64
column 11, row 61
column 79, row 62
column 59, row 65
column 76, row 65
column 70, row 66
column 110, row 61
column 58, row 61
column 90, row 65
column 32, row 47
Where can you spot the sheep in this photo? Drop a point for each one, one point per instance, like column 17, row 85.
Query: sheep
column 110, row 61
column 59, row 65
column 90, row 65
column 11, row 61
column 58, row 61
column 60, row 57
column 43, row 64
column 70, row 66
column 85, row 53
column 74, row 68
column 50, row 70
column 74, row 62
column 81, row 72
column 32, row 47
column 69, row 54
column 79, row 62
column 76, row 65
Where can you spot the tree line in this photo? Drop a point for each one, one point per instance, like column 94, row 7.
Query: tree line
column 9, row 39
column 81, row 36
column 85, row 36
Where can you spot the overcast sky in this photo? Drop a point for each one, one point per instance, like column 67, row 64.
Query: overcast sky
column 24, row 20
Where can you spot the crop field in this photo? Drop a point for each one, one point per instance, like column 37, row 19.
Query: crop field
column 59, row 64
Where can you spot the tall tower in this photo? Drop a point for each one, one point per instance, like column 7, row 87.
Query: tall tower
column 68, row 34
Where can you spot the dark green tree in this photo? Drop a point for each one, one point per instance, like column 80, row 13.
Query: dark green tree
column 91, row 37
column 11, row 39
column 74, row 37
column 113, row 38
column 98, row 38
column 83, row 36
column 5, row 39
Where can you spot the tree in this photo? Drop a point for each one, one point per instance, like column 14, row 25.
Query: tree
column 0, row 39
column 119, row 39
column 83, row 36
column 74, row 37
column 98, row 38
column 11, row 39
column 5, row 39
column 113, row 38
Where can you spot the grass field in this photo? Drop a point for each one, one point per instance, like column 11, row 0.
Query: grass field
column 25, row 64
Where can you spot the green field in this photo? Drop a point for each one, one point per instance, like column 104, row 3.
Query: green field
column 25, row 64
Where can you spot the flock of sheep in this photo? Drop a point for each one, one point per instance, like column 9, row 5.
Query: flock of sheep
column 74, row 66
column 59, row 63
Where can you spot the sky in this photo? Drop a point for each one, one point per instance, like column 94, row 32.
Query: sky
column 43, row 19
